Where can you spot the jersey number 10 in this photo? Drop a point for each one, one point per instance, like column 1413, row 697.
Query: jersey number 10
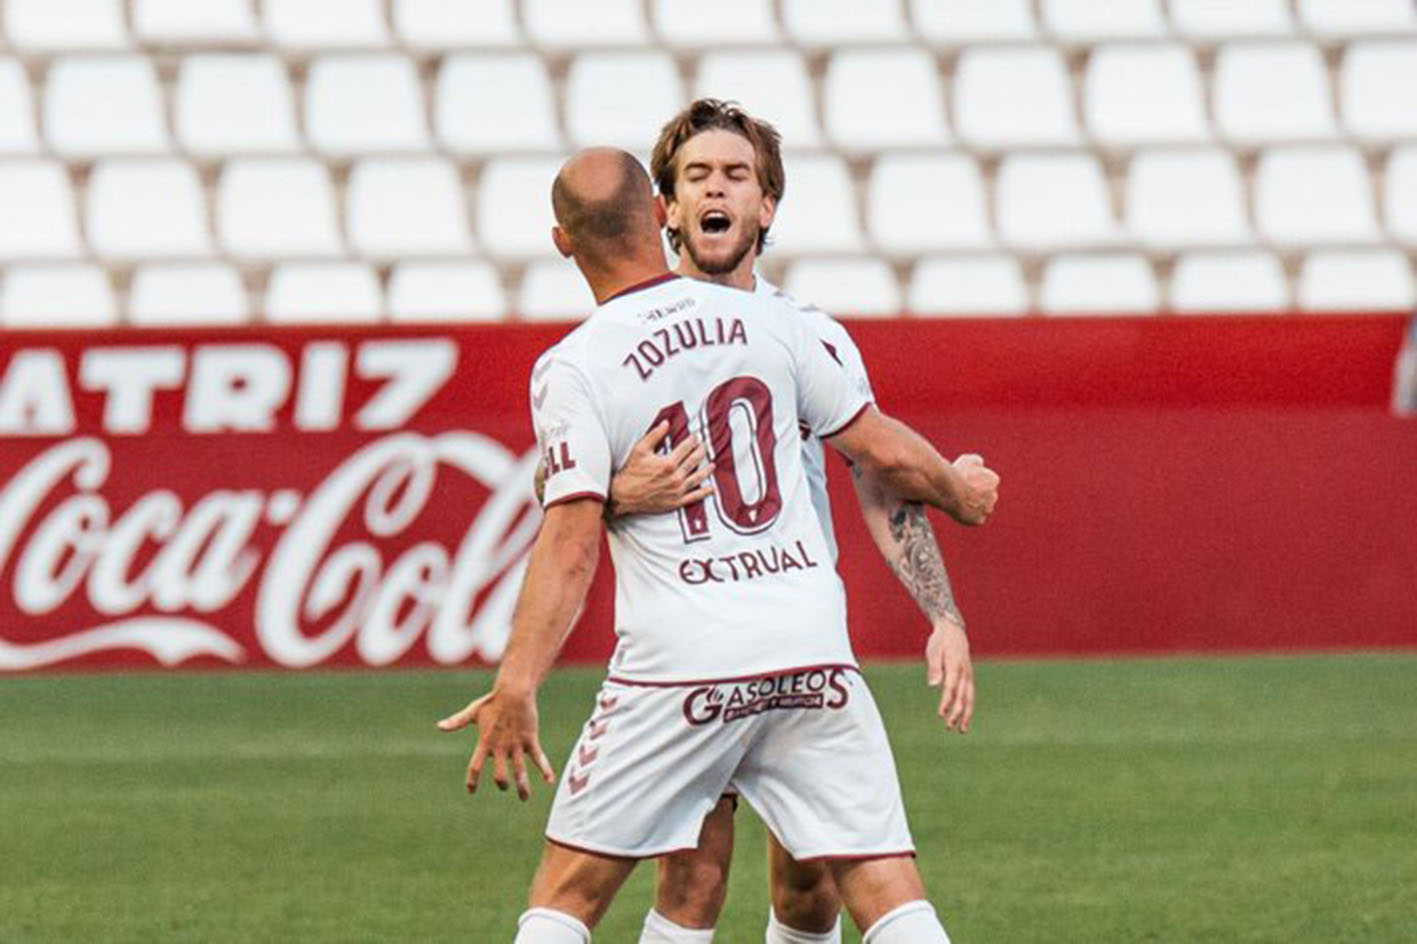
column 754, row 399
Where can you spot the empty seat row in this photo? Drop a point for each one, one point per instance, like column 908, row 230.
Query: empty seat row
column 264, row 209
column 234, row 103
column 44, row 26
column 335, row 292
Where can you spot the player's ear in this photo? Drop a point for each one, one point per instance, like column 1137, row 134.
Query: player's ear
column 767, row 213
column 562, row 241
column 661, row 212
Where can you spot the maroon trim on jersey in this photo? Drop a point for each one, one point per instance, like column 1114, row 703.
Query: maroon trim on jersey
column 641, row 286
column 616, row 855
column 861, row 856
column 637, row 683
column 574, row 496
column 854, row 417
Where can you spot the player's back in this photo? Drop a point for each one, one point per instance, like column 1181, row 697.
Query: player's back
column 743, row 582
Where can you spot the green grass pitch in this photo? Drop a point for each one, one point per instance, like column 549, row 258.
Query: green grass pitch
column 1210, row 800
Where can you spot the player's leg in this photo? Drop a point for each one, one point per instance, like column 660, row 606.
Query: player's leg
column 691, row 885
column 805, row 906
column 886, row 899
column 569, row 895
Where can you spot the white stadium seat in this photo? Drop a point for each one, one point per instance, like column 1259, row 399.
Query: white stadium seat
column 407, row 207
column 772, row 83
column 958, row 22
column 272, row 208
column 38, row 218
column 323, row 293
column 859, row 118
column 1272, row 92
column 57, row 296
column 1047, row 201
column 1142, row 94
column 472, row 116
column 1186, row 197
column 1400, row 195
column 446, row 291
column 303, row 25
column 1356, row 280
column 1343, row 18
column 513, row 206
column 1378, row 89
column 364, row 104
column 692, row 24
column 1308, row 196
column 1093, row 20
column 97, row 105
column 1220, row 282
column 968, row 285
column 817, row 23
column 1012, row 96
column 574, row 24
column 1098, row 284
column 925, row 202
column 621, row 99
column 438, row 25
column 1230, row 19
column 147, row 209
column 17, row 126
column 554, row 290
column 48, row 26
column 234, row 103
column 187, row 294
column 818, row 213
column 184, row 23
column 852, row 287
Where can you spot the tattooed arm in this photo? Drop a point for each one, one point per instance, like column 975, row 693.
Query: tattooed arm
column 903, row 534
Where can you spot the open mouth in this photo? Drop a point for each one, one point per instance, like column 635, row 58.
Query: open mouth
column 714, row 222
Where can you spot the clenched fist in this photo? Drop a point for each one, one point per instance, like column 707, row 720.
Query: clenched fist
column 980, row 487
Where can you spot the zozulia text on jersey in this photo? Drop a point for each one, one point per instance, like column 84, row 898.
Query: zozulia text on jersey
column 675, row 339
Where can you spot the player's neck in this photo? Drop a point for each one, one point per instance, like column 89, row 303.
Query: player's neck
column 741, row 277
column 606, row 283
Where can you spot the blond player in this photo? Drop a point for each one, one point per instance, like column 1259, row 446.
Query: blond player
column 732, row 669
column 720, row 174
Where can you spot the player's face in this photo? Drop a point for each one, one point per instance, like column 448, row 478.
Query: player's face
column 719, row 207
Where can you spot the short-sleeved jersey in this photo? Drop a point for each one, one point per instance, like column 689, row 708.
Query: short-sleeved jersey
column 742, row 583
column 842, row 347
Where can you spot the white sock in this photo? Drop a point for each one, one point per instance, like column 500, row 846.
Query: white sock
column 912, row 923
column 660, row 930
column 779, row 933
column 545, row 926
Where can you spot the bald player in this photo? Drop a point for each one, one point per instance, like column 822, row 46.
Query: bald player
column 732, row 669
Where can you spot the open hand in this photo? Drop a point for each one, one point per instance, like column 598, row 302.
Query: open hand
column 507, row 732
column 651, row 482
column 947, row 665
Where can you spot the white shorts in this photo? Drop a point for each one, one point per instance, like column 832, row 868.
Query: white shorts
column 805, row 747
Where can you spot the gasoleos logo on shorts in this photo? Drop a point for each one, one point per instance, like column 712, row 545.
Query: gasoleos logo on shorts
column 806, row 689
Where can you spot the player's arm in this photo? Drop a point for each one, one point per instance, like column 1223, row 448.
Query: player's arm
column 909, row 467
column 652, row 481
column 905, row 539
column 558, row 576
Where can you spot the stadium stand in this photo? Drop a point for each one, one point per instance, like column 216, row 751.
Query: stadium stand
column 945, row 157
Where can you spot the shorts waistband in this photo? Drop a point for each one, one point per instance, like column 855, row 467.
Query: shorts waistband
column 730, row 680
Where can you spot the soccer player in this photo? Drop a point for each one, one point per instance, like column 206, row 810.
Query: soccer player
column 733, row 668
column 720, row 174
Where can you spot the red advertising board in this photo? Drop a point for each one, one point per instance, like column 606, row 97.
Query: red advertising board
column 293, row 498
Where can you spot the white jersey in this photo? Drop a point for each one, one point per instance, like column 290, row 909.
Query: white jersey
column 742, row 583
column 814, row 458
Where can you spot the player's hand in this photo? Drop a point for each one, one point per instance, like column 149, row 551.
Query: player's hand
column 981, row 490
column 651, row 483
column 506, row 732
column 947, row 665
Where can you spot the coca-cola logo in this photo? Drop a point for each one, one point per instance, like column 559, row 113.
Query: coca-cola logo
column 159, row 574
